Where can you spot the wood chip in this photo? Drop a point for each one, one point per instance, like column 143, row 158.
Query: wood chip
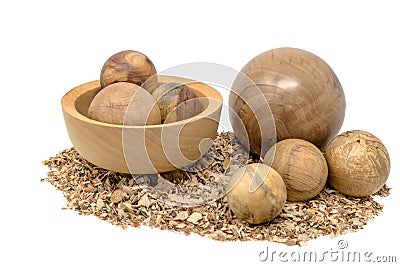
column 180, row 225
column 302, row 243
column 181, row 216
column 195, row 217
column 144, row 201
column 118, row 199
column 99, row 204
column 117, row 196
column 226, row 162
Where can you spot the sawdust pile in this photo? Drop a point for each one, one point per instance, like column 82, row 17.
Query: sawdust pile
column 118, row 199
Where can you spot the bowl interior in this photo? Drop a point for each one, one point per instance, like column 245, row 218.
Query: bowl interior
column 83, row 102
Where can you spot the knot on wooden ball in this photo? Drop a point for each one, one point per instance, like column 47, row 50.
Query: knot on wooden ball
column 302, row 167
column 359, row 163
column 125, row 104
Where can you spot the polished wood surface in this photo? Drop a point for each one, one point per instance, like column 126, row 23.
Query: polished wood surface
column 359, row 163
column 304, row 95
column 111, row 104
column 176, row 102
column 302, row 167
column 256, row 193
column 129, row 66
column 147, row 149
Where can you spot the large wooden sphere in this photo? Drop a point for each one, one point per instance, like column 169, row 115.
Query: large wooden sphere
column 359, row 163
column 303, row 93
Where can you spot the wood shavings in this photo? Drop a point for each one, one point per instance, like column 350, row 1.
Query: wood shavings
column 116, row 198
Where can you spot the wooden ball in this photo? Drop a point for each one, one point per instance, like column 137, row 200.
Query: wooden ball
column 176, row 102
column 358, row 162
column 254, row 204
column 118, row 100
column 303, row 93
column 302, row 167
column 129, row 66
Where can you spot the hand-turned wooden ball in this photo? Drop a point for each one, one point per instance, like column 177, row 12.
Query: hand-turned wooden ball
column 129, row 66
column 126, row 104
column 176, row 102
column 302, row 167
column 303, row 92
column 358, row 162
column 257, row 193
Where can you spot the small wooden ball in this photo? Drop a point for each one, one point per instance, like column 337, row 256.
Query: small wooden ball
column 129, row 66
column 126, row 104
column 257, row 193
column 358, row 162
column 302, row 91
column 302, row 167
column 176, row 102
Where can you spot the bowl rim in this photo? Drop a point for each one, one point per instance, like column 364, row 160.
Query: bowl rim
column 69, row 99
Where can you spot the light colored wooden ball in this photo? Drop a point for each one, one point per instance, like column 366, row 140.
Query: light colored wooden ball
column 305, row 97
column 358, row 162
column 302, row 167
column 129, row 66
column 124, row 103
column 176, row 102
column 257, row 193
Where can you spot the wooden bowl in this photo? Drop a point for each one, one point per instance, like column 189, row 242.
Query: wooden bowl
column 141, row 149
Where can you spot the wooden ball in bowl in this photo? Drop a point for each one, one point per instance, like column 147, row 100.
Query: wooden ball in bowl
column 176, row 102
column 359, row 163
column 129, row 66
column 124, row 103
column 105, row 144
column 257, row 193
column 302, row 167
column 305, row 96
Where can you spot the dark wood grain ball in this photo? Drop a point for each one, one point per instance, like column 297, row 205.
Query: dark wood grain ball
column 176, row 101
column 129, row 66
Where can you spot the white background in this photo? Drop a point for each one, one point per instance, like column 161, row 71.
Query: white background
column 49, row 47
